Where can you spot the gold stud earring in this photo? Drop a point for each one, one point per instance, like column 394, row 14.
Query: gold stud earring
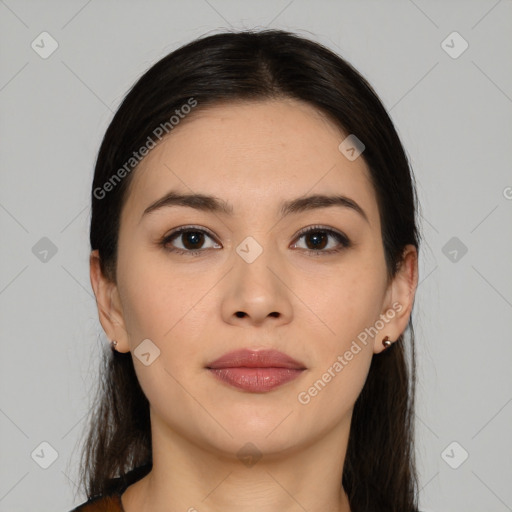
column 386, row 342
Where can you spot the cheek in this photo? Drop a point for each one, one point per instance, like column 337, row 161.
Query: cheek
column 345, row 300
column 149, row 290
column 163, row 306
column 332, row 390
column 347, row 305
column 163, row 309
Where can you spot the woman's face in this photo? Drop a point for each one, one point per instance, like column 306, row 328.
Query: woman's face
column 254, row 281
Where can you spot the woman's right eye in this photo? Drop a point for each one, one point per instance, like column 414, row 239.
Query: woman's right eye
column 191, row 239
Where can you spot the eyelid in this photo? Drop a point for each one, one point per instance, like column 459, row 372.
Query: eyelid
column 189, row 227
column 320, row 227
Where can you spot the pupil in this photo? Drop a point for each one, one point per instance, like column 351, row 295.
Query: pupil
column 195, row 238
column 318, row 239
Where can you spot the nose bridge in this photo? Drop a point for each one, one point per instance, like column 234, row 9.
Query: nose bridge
column 255, row 287
column 254, row 261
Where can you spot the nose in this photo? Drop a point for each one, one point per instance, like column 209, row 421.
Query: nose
column 255, row 293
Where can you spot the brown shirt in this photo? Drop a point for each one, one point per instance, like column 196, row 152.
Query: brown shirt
column 105, row 504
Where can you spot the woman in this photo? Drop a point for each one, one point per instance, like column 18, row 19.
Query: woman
column 254, row 260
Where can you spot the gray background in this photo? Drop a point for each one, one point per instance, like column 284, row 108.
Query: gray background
column 453, row 115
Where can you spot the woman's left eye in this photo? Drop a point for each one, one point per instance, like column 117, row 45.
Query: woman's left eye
column 316, row 239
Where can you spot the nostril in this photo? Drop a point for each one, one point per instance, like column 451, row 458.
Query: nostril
column 240, row 314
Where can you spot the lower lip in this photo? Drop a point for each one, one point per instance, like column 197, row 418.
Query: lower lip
column 255, row 380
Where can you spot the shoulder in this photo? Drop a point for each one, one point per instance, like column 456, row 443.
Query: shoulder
column 101, row 504
column 110, row 499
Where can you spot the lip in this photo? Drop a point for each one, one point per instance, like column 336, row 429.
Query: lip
column 255, row 371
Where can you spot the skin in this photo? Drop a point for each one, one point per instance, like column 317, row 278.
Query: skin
column 310, row 306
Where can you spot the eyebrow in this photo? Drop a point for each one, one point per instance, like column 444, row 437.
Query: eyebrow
column 214, row 204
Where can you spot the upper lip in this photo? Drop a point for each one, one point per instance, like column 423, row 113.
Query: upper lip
column 255, row 359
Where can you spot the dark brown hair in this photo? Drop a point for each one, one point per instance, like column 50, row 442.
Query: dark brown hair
column 379, row 471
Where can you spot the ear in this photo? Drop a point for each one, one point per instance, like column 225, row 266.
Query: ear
column 399, row 298
column 109, row 304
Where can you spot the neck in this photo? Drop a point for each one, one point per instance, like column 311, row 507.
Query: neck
column 188, row 477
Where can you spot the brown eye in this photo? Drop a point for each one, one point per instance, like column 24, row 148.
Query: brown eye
column 192, row 239
column 188, row 240
column 322, row 240
column 316, row 240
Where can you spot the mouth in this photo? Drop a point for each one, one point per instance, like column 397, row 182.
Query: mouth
column 255, row 371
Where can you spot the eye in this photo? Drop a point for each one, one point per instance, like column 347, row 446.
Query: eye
column 191, row 238
column 317, row 240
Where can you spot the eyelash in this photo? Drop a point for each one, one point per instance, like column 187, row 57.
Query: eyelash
column 342, row 240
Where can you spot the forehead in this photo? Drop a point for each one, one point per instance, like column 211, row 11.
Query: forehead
column 248, row 152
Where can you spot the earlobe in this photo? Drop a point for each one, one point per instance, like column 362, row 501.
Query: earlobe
column 399, row 300
column 108, row 304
